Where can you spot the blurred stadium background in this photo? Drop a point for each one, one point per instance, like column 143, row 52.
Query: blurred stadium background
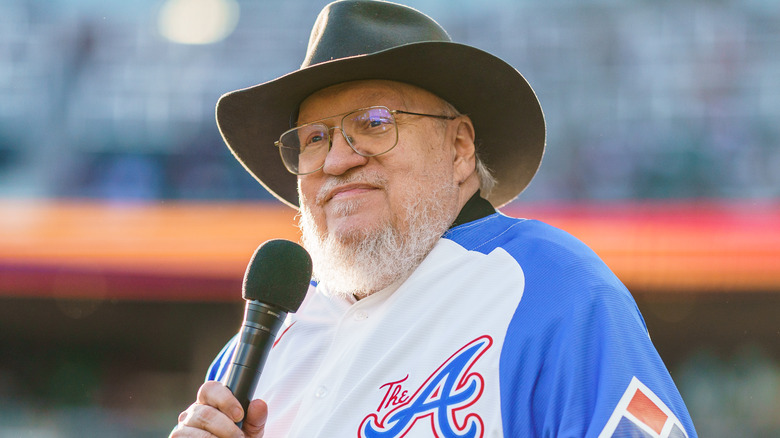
column 125, row 224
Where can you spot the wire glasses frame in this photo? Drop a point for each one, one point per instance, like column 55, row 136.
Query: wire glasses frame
column 368, row 131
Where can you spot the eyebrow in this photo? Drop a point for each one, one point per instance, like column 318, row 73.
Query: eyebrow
column 333, row 116
column 368, row 95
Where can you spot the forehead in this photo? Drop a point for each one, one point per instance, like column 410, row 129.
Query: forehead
column 347, row 96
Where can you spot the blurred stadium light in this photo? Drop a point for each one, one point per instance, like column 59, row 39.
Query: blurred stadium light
column 198, row 21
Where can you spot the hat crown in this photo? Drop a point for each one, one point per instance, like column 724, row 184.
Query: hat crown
column 349, row 28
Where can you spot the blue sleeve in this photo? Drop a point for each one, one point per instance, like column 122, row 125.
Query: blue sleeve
column 576, row 346
column 220, row 364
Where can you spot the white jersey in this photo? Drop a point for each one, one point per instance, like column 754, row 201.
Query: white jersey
column 508, row 328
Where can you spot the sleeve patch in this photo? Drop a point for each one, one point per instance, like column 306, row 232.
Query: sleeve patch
column 640, row 413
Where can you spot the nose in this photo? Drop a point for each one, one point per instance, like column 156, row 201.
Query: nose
column 341, row 157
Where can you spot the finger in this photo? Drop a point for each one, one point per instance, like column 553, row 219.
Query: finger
column 208, row 419
column 182, row 431
column 257, row 414
column 216, row 394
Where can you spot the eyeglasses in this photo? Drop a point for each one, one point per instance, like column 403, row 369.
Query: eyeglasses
column 369, row 132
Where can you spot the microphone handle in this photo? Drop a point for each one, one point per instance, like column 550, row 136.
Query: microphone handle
column 258, row 331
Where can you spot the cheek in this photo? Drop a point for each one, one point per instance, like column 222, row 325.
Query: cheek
column 304, row 190
column 307, row 195
column 420, row 179
column 424, row 157
column 435, row 169
column 420, row 173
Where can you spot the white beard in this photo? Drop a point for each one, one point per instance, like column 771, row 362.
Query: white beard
column 365, row 262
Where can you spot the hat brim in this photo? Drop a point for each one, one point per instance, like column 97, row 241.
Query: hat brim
column 507, row 117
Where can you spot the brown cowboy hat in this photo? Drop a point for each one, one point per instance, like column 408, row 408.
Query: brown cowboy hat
column 357, row 40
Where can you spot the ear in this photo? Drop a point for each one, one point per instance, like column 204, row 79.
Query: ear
column 464, row 151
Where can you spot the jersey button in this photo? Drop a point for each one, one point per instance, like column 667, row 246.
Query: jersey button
column 361, row 315
column 321, row 392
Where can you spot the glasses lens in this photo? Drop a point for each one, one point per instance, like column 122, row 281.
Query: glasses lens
column 370, row 131
column 303, row 149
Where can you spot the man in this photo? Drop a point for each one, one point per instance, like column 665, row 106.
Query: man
column 431, row 314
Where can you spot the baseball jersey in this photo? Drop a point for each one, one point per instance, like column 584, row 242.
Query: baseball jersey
column 508, row 328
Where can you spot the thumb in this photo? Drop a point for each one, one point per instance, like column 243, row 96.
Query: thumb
column 254, row 423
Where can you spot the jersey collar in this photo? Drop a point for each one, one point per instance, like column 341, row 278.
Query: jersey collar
column 476, row 207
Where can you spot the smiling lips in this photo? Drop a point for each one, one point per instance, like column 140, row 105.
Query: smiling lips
column 348, row 190
column 352, row 185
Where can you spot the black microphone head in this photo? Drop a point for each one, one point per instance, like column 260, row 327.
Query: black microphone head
column 278, row 274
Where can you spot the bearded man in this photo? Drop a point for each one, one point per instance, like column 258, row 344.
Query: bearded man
column 430, row 314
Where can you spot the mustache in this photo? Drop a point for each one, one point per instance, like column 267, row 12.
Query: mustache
column 368, row 177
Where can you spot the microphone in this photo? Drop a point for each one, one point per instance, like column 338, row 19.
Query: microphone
column 275, row 283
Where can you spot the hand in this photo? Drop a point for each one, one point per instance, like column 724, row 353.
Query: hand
column 215, row 413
